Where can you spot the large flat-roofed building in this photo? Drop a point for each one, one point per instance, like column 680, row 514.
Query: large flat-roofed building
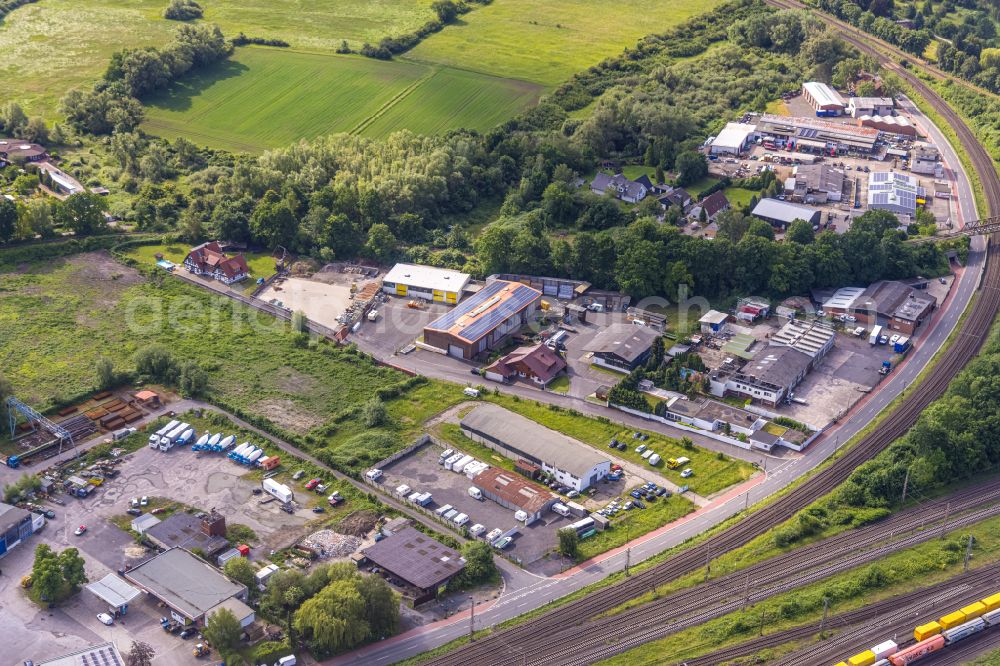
column 101, row 654
column 515, row 493
column 823, row 99
column 418, row 560
column 622, row 347
column 427, row 282
column 482, row 321
column 573, row 463
column 771, row 375
column 870, row 106
column 188, row 585
column 924, row 160
column 898, row 193
column 782, row 213
column 814, row 135
column 733, row 139
column 16, row 525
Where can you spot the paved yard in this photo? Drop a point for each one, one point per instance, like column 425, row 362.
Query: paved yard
column 398, row 325
column 421, row 471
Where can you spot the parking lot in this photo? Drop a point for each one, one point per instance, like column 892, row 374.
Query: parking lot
column 179, row 475
column 422, row 472
column 398, row 325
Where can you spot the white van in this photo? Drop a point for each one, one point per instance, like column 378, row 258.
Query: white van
column 520, row 516
column 475, row 493
column 561, row 509
column 683, row 461
column 471, row 392
column 403, row 490
column 287, row 661
column 374, row 474
column 451, row 513
column 460, row 519
column 654, row 459
column 445, row 455
column 441, row 510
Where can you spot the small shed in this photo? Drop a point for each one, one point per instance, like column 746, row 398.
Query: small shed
column 148, row 397
column 713, row 321
column 244, row 614
column 142, row 523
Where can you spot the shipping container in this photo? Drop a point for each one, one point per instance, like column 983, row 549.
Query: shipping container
column 925, row 631
column 992, row 602
column 973, row 611
column 866, row 658
column 884, row 649
column 917, row 651
column 278, row 490
column 230, row 554
column 952, row 620
column 964, row 630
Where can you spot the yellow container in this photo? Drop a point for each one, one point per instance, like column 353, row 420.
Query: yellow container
column 866, row 658
column 972, row 611
column 925, row 631
column 952, row 620
column 992, row 602
column 842, row 663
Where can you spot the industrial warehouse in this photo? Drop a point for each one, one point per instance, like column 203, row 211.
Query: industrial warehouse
column 572, row 463
column 482, row 321
column 439, row 285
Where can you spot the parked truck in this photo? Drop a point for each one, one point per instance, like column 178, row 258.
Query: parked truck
column 278, row 490
column 902, row 345
column 173, row 435
column 154, row 439
column 185, row 437
column 875, row 335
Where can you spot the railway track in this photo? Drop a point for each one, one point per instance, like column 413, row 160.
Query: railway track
column 970, row 336
column 604, row 637
column 865, row 626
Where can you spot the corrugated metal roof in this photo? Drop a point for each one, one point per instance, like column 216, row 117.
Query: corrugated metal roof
column 416, row 558
column 495, row 303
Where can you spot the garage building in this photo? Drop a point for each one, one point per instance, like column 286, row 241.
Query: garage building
column 188, row 585
column 481, row 322
column 418, row 560
column 825, row 100
column 782, row 213
column 870, row 106
column 515, row 493
column 573, row 463
column 427, row 282
column 622, row 347
column 733, row 139
column 17, row 525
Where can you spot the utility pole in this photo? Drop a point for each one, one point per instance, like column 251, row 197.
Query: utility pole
column 472, row 619
column 708, row 564
column 947, row 514
column 746, row 592
column 826, row 609
column 968, row 553
column 906, row 485
column 746, row 504
column 628, row 558
column 763, row 614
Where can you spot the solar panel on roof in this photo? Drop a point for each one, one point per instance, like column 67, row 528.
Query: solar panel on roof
column 515, row 302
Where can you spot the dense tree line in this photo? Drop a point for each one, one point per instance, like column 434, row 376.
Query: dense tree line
column 881, row 24
column 113, row 103
column 242, row 40
column 81, row 213
column 15, row 123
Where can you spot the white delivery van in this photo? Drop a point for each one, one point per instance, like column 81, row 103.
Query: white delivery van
column 450, row 514
column 460, row 519
column 403, row 490
column 475, row 493
column 561, row 509
column 441, row 510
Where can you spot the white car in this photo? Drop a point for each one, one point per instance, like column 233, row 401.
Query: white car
column 374, row 474
column 144, row 501
column 477, row 529
column 105, row 619
column 134, row 503
column 686, row 473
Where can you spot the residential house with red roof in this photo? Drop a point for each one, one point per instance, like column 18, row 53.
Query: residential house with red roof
column 537, row 363
column 209, row 259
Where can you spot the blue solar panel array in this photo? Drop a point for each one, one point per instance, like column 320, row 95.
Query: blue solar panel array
column 487, row 321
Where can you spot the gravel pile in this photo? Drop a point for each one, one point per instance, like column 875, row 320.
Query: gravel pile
column 332, row 544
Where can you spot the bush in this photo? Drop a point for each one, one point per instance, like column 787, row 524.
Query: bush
column 183, row 10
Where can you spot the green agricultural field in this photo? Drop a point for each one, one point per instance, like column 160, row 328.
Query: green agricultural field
column 547, row 42
column 52, row 46
column 57, row 317
column 264, row 98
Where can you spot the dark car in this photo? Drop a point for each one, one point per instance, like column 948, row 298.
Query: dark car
column 650, row 497
column 475, row 371
column 318, row 509
column 636, row 494
column 638, row 503
column 662, row 491
column 621, row 446
column 134, row 512
column 188, row 633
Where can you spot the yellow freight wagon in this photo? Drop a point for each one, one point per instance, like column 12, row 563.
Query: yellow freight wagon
column 866, row 658
column 992, row 602
column 925, row 631
column 972, row 611
column 952, row 620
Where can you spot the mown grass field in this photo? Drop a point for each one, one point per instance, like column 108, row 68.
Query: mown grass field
column 264, row 98
column 547, row 42
column 58, row 317
column 52, row 46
